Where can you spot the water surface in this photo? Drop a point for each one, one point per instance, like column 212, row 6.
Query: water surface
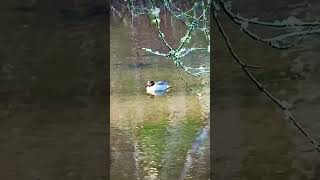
column 161, row 137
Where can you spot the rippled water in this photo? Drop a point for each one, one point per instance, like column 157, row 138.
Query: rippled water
column 161, row 137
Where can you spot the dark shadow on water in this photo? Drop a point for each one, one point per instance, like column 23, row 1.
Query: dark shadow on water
column 53, row 89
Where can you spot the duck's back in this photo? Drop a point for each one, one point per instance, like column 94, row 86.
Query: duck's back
column 161, row 85
column 161, row 82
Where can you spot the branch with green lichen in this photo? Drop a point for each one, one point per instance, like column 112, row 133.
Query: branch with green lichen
column 177, row 54
column 180, row 52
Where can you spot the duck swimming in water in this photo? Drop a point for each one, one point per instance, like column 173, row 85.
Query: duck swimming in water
column 158, row 87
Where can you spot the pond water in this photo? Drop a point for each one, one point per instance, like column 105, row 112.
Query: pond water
column 251, row 138
column 161, row 137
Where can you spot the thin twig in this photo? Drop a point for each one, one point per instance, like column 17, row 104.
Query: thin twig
column 270, row 41
column 161, row 35
column 191, row 29
column 199, row 95
column 292, row 34
column 272, row 24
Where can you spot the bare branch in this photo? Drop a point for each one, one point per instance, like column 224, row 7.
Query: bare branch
column 155, row 52
column 284, row 23
column 186, row 82
column 285, row 109
column 293, row 34
column 270, row 41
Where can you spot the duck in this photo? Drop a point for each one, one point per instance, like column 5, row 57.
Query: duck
column 157, row 87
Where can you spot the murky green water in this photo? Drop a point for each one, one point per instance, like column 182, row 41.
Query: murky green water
column 162, row 137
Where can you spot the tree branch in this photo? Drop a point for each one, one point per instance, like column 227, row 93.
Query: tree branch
column 284, row 107
column 263, row 23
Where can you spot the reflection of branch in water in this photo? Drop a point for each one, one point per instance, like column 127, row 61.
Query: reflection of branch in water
column 282, row 105
column 136, row 154
column 199, row 141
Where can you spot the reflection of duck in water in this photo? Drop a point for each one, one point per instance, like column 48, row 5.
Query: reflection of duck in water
column 158, row 88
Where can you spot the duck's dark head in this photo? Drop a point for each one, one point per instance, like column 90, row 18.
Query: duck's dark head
column 150, row 83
